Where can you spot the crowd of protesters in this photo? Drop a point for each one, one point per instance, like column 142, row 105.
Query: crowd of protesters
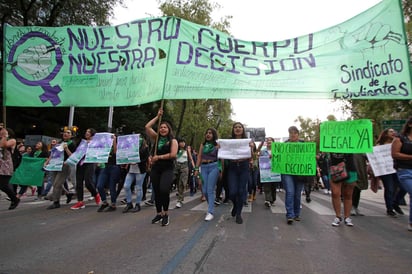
column 168, row 163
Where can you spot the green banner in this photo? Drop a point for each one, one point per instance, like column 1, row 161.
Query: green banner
column 29, row 172
column 294, row 158
column 346, row 136
column 150, row 59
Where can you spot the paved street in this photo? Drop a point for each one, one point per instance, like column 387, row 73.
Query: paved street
column 36, row 240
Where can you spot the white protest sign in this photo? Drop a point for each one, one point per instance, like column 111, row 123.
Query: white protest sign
column 234, row 149
column 381, row 160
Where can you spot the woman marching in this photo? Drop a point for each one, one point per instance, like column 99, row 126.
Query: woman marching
column 162, row 166
column 209, row 169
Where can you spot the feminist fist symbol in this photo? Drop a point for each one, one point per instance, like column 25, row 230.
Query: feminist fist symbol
column 372, row 36
column 36, row 61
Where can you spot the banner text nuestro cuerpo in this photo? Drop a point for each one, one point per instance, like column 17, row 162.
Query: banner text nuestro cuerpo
column 150, row 59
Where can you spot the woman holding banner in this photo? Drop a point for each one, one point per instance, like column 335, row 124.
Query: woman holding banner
column 293, row 185
column 68, row 147
column 162, row 166
column 402, row 156
column 238, row 175
column 84, row 176
column 390, row 181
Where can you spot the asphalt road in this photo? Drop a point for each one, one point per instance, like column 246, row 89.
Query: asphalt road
column 36, row 240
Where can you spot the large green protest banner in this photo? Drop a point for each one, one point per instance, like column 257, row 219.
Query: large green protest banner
column 150, row 59
column 294, row 158
column 354, row 136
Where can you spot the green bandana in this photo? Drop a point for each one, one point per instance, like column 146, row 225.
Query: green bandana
column 208, row 147
column 179, row 153
column 162, row 142
column 37, row 153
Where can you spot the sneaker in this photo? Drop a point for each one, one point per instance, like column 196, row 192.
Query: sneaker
column 209, row 217
column 128, row 207
column 348, row 221
column 267, row 204
column 137, row 208
column 391, row 213
column 157, row 219
column 91, row 198
column 297, row 219
column 398, row 210
column 308, row 199
column 78, row 205
column 239, row 219
column 13, row 205
column 179, row 204
column 97, row 199
column 54, row 205
column 124, row 201
column 103, row 207
column 409, row 227
column 149, row 203
column 110, row 208
column 336, row 221
column 217, row 202
column 326, row 192
column 289, row 221
column 165, row 220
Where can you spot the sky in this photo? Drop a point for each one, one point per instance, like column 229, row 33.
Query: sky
column 269, row 20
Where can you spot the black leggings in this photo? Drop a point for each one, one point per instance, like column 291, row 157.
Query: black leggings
column 162, row 179
column 6, row 188
column 85, row 173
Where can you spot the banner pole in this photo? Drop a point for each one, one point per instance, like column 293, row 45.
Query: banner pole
column 164, row 85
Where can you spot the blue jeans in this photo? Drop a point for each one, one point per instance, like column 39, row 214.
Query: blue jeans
column 405, row 178
column 390, row 182
column 110, row 175
column 210, row 174
column 325, row 180
column 238, row 175
column 252, row 182
column 293, row 186
column 130, row 177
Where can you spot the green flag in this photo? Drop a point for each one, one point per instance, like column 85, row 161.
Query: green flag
column 29, row 173
column 365, row 57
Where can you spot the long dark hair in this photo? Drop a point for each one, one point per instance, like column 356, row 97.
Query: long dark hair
column 406, row 129
column 383, row 137
column 171, row 135
column 233, row 130
column 215, row 136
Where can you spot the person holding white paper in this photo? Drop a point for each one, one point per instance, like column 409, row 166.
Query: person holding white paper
column 390, row 181
column 238, row 175
column 84, row 176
